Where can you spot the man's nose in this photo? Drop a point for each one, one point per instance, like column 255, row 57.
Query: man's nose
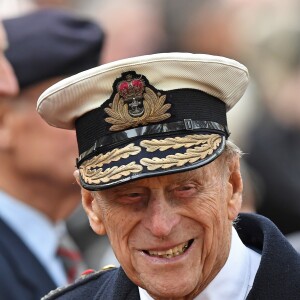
column 161, row 217
column 8, row 81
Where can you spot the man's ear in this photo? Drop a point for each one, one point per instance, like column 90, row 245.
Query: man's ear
column 235, row 186
column 91, row 208
column 93, row 211
column 76, row 175
column 5, row 132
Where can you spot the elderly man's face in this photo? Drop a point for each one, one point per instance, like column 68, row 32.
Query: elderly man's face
column 171, row 234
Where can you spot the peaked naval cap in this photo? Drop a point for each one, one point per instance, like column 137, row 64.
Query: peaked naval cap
column 146, row 116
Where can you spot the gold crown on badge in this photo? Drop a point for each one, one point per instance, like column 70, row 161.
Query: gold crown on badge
column 135, row 104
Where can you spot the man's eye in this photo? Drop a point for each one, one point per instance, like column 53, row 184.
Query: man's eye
column 186, row 190
column 134, row 195
column 130, row 198
column 185, row 187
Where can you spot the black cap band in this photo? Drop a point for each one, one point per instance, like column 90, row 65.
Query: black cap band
column 186, row 104
column 151, row 131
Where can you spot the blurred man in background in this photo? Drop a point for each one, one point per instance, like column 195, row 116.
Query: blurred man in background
column 37, row 190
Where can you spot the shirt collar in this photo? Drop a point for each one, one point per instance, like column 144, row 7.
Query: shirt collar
column 22, row 218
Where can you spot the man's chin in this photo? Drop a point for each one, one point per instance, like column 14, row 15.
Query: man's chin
column 171, row 290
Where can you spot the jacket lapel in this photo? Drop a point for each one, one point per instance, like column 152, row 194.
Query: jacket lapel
column 31, row 275
column 278, row 273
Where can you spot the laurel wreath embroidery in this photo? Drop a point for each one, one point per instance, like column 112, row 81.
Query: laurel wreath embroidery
column 97, row 176
column 91, row 170
column 178, row 142
column 180, row 159
column 155, row 111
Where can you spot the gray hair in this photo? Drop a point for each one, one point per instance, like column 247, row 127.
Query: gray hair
column 232, row 149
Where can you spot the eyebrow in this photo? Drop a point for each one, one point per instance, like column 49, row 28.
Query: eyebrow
column 117, row 189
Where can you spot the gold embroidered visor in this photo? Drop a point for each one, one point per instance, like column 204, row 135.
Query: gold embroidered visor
column 150, row 157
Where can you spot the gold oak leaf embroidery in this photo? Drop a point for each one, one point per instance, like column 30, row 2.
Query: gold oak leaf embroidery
column 114, row 155
column 90, row 169
column 98, row 176
column 180, row 159
column 155, row 111
column 178, row 142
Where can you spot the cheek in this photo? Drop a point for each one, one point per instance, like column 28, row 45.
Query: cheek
column 211, row 215
column 122, row 227
column 209, row 207
column 210, row 211
column 27, row 130
column 46, row 141
column 116, row 222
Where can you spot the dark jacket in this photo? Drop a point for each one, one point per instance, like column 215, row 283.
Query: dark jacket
column 22, row 276
column 278, row 276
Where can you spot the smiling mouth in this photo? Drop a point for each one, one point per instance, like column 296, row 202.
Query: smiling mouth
column 178, row 250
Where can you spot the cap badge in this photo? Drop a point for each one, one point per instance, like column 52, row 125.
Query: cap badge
column 135, row 104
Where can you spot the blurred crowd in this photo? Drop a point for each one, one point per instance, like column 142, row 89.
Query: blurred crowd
column 264, row 35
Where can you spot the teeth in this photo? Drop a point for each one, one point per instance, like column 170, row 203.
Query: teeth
column 170, row 252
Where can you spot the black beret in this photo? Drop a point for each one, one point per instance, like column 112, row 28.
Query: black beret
column 49, row 43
